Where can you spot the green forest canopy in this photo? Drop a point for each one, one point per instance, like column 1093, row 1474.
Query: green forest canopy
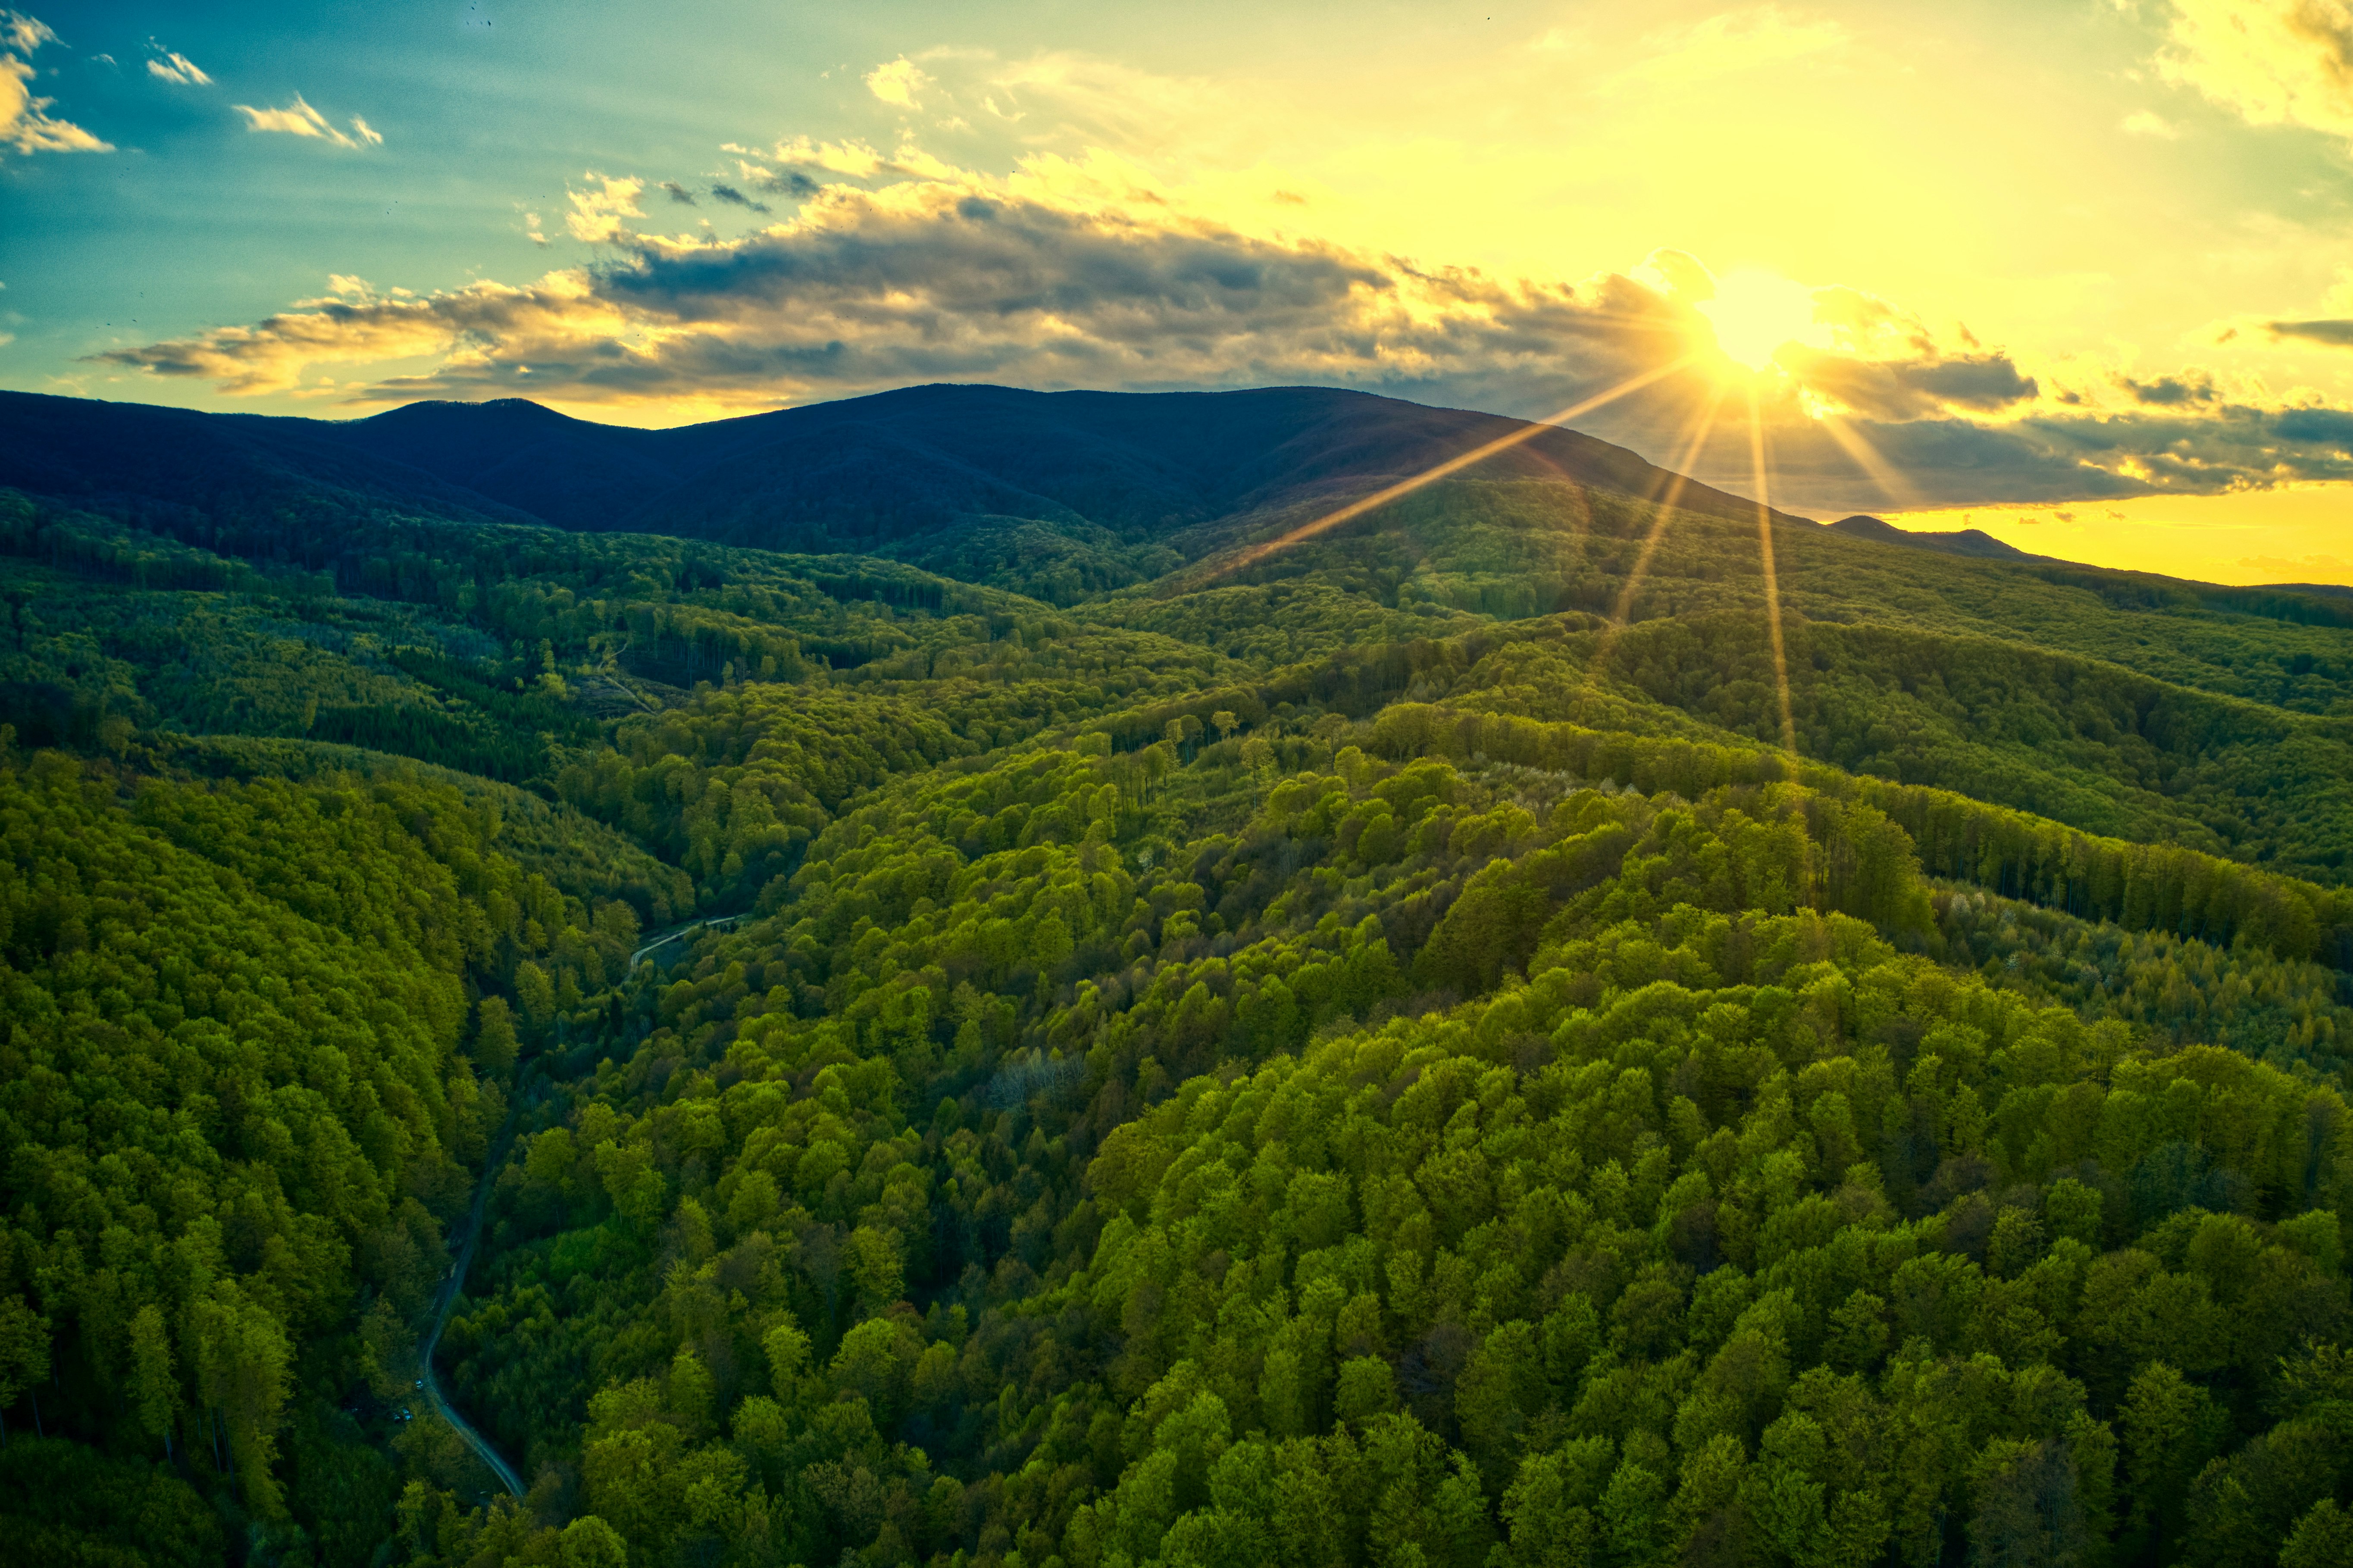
column 1362, row 1061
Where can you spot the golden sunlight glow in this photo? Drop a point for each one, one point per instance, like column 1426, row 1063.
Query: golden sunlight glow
column 1662, row 504
column 1513, row 438
column 2294, row 534
column 1772, row 576
column 1754, row 313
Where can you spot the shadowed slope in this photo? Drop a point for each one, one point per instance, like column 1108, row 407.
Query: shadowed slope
column 871, row 469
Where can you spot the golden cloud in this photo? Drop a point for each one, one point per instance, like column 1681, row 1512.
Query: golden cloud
column 300, row 119
column 25, row 123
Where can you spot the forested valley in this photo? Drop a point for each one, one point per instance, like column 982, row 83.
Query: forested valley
column 1377, row 1055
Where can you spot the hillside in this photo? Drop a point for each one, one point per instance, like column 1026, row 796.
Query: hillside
column 1374, row 1054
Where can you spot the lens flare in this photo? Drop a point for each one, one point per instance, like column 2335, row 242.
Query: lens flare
column 1357, row 508
column 1772, row 577
column 1664, row 501
column 1679, row 476
column 1866, row 457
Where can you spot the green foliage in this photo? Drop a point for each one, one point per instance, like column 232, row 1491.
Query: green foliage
column 1360, row 1060
column 66, row 1503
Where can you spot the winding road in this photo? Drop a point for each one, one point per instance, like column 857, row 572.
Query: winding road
column 456, row 1282
column 450, row 1287
column 663, row 939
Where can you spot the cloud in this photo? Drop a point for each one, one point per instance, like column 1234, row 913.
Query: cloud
column 597, row 213
column 302, row 120
column 1896, row 391
column 734, row 197
column 784, row 182
column 170, row 65
column 25, row 123
column 1070, row 274
column 2192, row 387
column 897, row 82
column 463, row 327
column 678, row 193
column 2273, row 62
column 22, row 35
column 2337, row 333
column 2145, row 123
column 2318, row 426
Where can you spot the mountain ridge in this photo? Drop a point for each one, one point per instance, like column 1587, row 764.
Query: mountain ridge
column 871, row 468
column 1970, row 542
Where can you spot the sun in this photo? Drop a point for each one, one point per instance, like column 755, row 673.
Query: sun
column 1755, row 313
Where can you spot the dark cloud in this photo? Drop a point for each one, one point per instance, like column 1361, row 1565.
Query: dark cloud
column 1972, row 381
column 678, row 193
column 2046, row 457
column 1921, row 388
column 971, row 282
column 734, row 197
column 2338, row 333
column 2319, row 427
column 786, row 182
column 2172, row 391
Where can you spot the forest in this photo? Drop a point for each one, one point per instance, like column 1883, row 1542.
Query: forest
column 1026, row 1048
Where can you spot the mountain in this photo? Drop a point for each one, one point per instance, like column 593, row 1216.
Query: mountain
column 1974, row 542
column 134, row 457
column 861, row 472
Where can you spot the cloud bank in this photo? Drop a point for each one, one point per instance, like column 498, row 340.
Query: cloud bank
column 899, row 268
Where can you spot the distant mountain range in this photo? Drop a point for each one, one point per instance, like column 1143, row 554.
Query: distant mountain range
column 958, row 479
column 858, row 473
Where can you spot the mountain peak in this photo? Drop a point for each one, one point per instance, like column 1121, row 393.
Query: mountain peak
column 1971, row 542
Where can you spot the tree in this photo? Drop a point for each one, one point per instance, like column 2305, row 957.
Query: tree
column 494, row 1038
column 2322, row 1538
column 536, row 993
column 24, row 1353
column 155, row 1391
column 2169, row 1431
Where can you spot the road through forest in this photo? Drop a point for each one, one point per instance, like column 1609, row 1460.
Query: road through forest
column 450, row 1287
column 456, row 1282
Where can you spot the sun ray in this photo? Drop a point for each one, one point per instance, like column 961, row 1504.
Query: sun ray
column 1357, row 508
column 1868, row 457
column 1772, row 577
column 1664, row 500
column 1678, row 476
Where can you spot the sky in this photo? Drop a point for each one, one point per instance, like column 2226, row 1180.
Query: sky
column 2072, row 271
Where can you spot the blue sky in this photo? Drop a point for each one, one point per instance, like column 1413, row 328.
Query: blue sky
column 488, row 108
column 2025, row 260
